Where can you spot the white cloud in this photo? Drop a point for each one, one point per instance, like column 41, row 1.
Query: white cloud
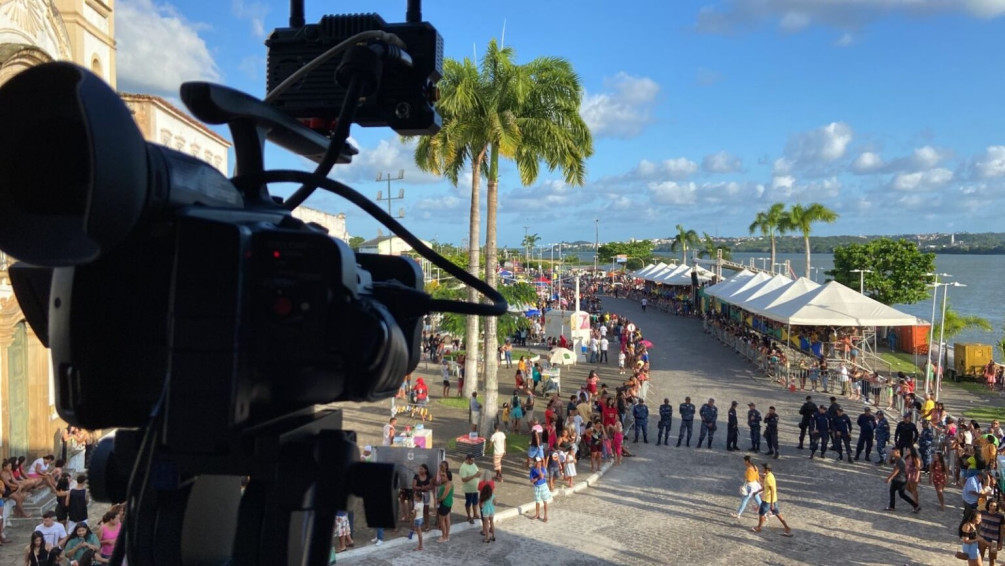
column 389, row 156
column 624, row 111
column 721, row 162
column 783, row 182
column 992, row 163
column 158, row 49
column 788, row 188
column 442, row 207
column 676, row 168
column 867, row 162
column 726, row 16
column 846, row 39
column 926, row 157
column 254, row 12
column 814, row 151
column 673, row 193
column 921, row 180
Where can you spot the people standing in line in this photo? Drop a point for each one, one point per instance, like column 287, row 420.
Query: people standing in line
column 754, row 422
column 898, row 482
column 732, row 428
column 771, row 432
column 820, row 432
column 751, row 487
column 806, row 413
column 686, row 411
column 709, row 414
column 663, row 427
column 882, row 437
column 769, row 503
column 866, row 430
column 842, row 434
column 498, row 441
column 641, row 414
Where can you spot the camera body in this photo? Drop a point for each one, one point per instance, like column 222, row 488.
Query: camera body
column 404, row 98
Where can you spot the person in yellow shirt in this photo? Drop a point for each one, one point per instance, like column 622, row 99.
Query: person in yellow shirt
column 769, row 503
column 751, row 486
column 928, row 407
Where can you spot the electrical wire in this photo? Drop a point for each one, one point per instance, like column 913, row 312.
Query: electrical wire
column 320, row 59
column 498, row 304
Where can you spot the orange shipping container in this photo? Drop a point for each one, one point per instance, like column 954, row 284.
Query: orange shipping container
column 913, row 339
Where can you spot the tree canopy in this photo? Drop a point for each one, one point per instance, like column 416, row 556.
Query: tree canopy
column 898, row 270
column 641, row 249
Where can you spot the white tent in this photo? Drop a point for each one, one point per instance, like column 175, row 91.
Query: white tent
column 649, row 269
column 673, row 273
column 725, row 286
column 834, row 304
column 657, row 275
column 783, row 294
column 684, row 277
column 751, row 283
column 743, row 296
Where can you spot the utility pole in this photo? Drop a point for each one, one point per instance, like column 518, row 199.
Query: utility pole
column 526, row 248
column 380, row 197
column 596, row 245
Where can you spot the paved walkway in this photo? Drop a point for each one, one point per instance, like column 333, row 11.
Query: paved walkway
column 672, row 505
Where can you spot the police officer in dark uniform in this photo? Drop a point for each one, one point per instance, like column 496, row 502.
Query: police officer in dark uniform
column 819, row 431
column 732, row 429
column 842, row 431
column 771, row 431
column 686, row 411
column 832, row 413
column 709, row 414
column 882, row 437
column 666, row 419
column 905, row 434
column 754, row 422
column 866, row 429
column 807, row 411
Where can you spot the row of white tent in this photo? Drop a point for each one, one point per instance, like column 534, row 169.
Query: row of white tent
column 806, row 303
column 673, row 274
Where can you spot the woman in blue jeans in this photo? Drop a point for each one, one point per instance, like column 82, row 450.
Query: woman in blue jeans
column 751, row 487
column 968, row 537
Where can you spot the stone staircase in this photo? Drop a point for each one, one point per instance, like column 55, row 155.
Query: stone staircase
column 40, row 501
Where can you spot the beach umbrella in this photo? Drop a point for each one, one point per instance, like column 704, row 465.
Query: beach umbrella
column 562, row 357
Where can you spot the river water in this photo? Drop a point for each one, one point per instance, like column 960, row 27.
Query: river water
column 983, row 275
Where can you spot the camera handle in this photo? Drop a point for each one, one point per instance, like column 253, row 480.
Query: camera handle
column 303, row 468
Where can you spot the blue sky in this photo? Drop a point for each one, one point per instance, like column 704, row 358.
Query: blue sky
column 703, row 112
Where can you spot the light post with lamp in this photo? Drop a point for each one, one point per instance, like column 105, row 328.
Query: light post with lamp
column 942, row 334
column 861, row 279
column 931, row 329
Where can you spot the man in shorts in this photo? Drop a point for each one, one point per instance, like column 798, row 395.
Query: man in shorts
column 498, row 441
column 469, row 477
column 769, row 502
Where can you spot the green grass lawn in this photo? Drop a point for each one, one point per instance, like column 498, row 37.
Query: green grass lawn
column 985, row 415
column 900, row 361
column 454, row 402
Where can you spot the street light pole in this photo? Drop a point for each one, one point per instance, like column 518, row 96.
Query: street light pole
column 942, row 334
column 931, row 329
column 596, row 246
column 861, row 279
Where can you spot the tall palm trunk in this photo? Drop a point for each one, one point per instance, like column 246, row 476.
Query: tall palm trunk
column 771, row 267
column 491, row 323
column 806, row 240
column 474, row 268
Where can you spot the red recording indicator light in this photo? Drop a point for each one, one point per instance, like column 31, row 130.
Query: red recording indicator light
column 276, row 254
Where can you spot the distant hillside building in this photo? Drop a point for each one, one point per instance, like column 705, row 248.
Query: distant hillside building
column 387, row 245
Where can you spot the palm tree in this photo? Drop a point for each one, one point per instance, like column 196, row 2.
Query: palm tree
column 530, row 242
column 528, row 113
column 770, row 223
column 956, row 323
column 802, row 219
column 682, row 240
column 710, row 248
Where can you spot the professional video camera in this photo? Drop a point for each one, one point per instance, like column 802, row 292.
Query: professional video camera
column 197, row 316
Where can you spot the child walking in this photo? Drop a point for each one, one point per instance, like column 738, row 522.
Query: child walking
column 570, row 467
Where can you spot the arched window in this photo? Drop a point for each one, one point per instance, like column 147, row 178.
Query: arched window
column 96, row 67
